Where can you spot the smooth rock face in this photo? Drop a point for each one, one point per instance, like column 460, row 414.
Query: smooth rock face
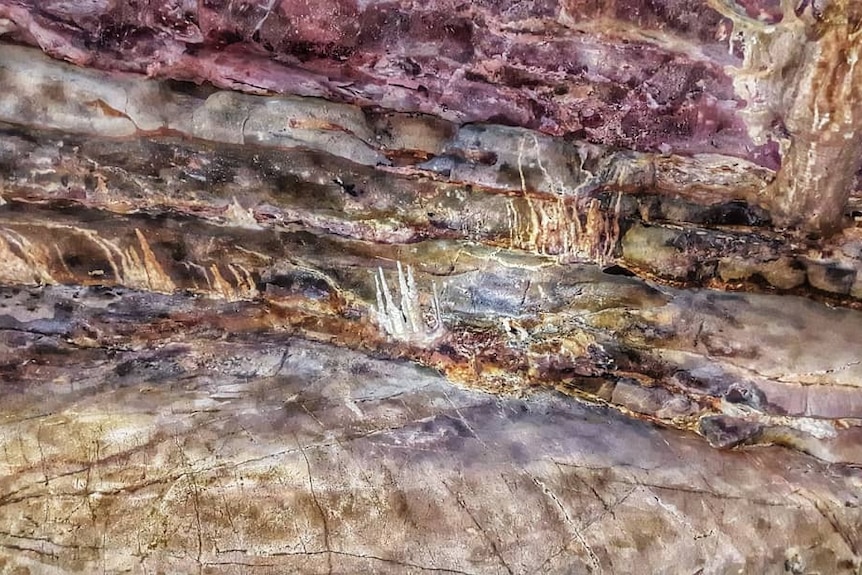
column 276, row 454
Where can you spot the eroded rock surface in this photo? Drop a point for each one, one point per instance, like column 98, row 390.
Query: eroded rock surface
column 456, row 288
column 264, row 452
column 546, row 65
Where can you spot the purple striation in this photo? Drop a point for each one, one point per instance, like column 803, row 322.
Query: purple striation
column 641, row 74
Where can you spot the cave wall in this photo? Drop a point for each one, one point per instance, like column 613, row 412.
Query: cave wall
column 444, row 287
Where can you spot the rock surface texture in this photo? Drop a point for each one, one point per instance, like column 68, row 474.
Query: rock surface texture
column 384, row 287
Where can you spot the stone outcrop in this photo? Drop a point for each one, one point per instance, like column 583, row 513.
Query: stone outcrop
column 460, row 288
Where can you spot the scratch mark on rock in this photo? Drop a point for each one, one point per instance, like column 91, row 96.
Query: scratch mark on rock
column 494, row 548
column 317, row 504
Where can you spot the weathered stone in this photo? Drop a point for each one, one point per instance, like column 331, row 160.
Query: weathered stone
column 543, row 65
column 278, row 455
column 431, row 288
column 831, row 276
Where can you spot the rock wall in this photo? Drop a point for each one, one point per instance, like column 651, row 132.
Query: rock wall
column 468, row 288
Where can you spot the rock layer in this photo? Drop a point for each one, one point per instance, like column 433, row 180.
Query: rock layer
column 273, row 454
column 544, row 65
